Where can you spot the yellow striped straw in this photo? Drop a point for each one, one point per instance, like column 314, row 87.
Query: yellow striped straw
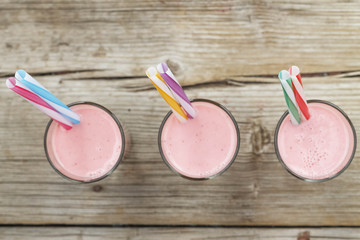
column 163, row 89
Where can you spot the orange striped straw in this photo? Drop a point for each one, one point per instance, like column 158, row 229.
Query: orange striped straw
column 164, row 91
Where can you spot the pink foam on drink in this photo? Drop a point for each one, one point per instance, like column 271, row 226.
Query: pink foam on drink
column 90, row 149
column 203, row 146
column 317, row 148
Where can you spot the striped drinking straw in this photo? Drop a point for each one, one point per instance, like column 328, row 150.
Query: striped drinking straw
column 47, row 96
column 299, row 91
column 176, row 89
column 164, row 91
column 291, row 103
column 37, row 102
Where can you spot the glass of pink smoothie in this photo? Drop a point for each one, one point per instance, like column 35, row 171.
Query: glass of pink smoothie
column 320, row 148
column 201, row 148
column 91, row 150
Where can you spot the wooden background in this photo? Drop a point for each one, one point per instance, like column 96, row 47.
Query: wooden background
column 227, row 51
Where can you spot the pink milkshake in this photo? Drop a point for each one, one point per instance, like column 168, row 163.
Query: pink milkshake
column 320, row 148
column 203, row 147
column 91, row 150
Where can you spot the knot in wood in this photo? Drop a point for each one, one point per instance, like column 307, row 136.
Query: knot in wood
column 304, row 235
column 174, row 66
column 97, row 188
column 260, row 137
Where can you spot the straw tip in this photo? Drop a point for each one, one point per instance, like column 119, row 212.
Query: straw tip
column 284, row 75
column 11, row 82
column 294, row 70
column 21, row 72
column 151, row 71
column 162, row 67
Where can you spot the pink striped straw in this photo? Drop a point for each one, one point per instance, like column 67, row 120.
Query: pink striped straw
column 176, row 89
column 38, row 102
column 299, row 91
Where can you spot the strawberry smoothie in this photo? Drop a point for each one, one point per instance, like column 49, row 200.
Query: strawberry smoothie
column 89, row 151
column 320, row 148
column 203, row 147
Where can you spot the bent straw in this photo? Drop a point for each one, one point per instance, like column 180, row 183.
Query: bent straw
column 285, row 80
column 299, row 91
column 164, row 91
column 176, row 89
column 47, row 96
column 37, row 102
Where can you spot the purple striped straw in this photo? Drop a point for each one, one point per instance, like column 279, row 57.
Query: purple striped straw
column 176, row 89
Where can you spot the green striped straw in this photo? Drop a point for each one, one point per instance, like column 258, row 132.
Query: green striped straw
column 285, row 79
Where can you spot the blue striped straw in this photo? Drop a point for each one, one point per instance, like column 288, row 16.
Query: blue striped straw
column 47, row 96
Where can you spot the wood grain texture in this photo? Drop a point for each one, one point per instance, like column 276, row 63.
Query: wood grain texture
column 187, row 233
column 204, row 41
column 256, row 190
column 227, row 51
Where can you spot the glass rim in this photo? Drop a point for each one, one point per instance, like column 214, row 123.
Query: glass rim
column 227, row 166
column 310, row 179
column 122, row 133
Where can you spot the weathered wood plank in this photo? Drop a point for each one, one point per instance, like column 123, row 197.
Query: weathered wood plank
column 202, row 40
column 177, row 233
column 227, row 51
column 254, row 191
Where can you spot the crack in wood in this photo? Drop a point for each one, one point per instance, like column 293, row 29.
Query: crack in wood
column 226, row 82
column 311, row 74
column 107, row 78
column 352, row 76
column 149, row 87
column 53, row 73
